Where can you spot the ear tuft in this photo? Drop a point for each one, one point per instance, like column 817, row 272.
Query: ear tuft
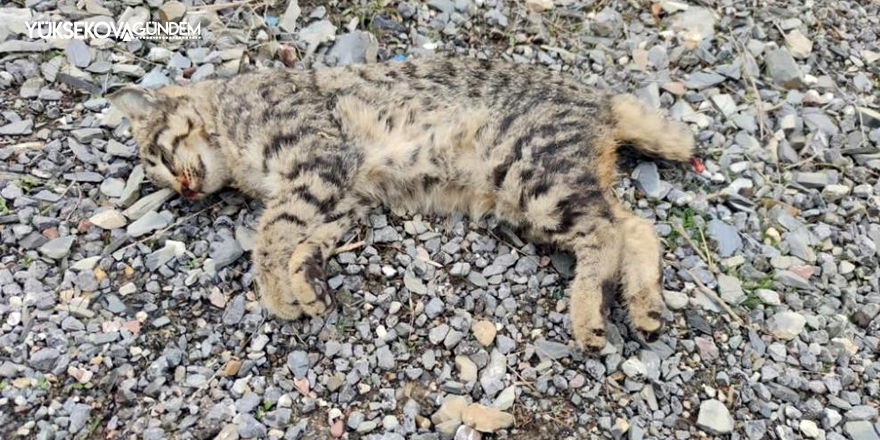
column 134, row 102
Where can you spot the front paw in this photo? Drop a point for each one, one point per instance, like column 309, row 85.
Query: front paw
column 277, row 301
column 646, row 315
column 308, row 282
column 588, row 327
column 591, row 339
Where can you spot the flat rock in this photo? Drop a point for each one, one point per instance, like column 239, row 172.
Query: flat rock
column 648, row 178
column 290, row 16
column 695, row 24
column 798, row 44
column 149, row 222
column 109, row 219
column 78, row 53
column 467, row 370
column 17, row 128
column 450, row 410
column 44, row 359
column 783, row 69
column 148, row 203
column 551, row 350
column 225, row 250
column 861, row 430
column 17, row 46
column 173, row 11
column 354, row 47
column 786, row 325
column 724, row 103
column 703, row 79
column 714, row 417
column 725, row 236
column 58, row 248
column 730, row 289
column 318, row 32
column 486, row 419
column 484, row 332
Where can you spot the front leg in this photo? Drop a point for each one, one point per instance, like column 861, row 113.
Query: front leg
column 298, row 231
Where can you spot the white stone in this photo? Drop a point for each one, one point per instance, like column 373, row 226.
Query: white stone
column 798, row 44
column 290, row 16
column 714, row 417
column 108, row 219
column 786, row 325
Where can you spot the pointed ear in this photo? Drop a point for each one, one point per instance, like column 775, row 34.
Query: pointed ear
column 134, row 102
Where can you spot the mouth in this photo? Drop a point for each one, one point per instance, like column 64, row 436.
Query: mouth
column 191, row 194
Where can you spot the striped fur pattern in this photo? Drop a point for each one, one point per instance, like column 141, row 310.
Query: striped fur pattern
column 535, row 147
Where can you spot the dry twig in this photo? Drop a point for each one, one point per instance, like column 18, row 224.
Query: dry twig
column 708, row 292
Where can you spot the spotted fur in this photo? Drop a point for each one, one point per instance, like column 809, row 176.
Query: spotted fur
column 535, row 147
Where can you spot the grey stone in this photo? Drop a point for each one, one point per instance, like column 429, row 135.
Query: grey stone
column 551, row 350
column 386, row 234
column 695, row 21
column 318, row 32
column 703, row 79
column 786, row 325
column 861, row 412
column 816, row 119
column 725, row 236
column 607, row 23
column 58, row 248
column 249, row 427
column 79, row 416
column 150, row 222
column 154, row 79
column 724, row 103
column 148, row 203
column 298, row 363
column 84, row 176
column 714, row 417
column 17, row 46
column 860, row 430
column 385, row 358
column 225, row 250
column 730, row 289
column 78, row 53
column 44, row 359
column 354, row 47
column 86, row 135
column 414, row 283
column 648, row 178
column 437, row 334
column 491, row 376
column 17, row 128
column 792, row 279
column 783, row 69
column 234, row 311
column 170, row 251
column 112, row 187
column 290, row 16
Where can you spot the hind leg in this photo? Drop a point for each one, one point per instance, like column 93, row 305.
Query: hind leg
column 598, row 259
column 640, row 273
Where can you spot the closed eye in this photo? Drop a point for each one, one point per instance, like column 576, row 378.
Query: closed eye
column 166, row 161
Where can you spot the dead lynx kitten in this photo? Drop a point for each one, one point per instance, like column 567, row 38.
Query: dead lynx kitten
column 535, row 147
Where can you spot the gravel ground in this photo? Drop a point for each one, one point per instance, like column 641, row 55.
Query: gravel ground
column 126, row 312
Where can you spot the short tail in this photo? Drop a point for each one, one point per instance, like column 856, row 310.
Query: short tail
column 649, row 132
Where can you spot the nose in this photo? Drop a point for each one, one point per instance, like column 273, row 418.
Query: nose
column 187, row 188
column 184, row 183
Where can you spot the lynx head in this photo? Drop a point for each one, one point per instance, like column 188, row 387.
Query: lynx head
column 173, row 138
